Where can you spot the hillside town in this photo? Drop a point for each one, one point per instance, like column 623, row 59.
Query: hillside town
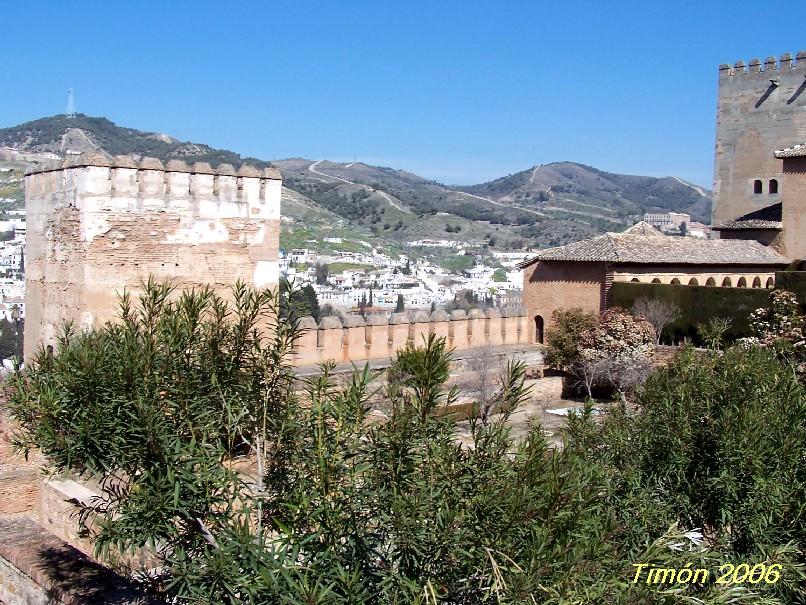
column 348, row 280
column 12, row 251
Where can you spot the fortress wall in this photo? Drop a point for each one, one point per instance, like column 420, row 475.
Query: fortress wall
column 380, row 338
column 761, row 107
column 97, row 226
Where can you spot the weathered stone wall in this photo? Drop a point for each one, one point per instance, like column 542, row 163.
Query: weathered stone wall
column 97, row 226
column 794, row 206
column 761, row 107
column 379, row 338
column 59, row 505
column 17, row 588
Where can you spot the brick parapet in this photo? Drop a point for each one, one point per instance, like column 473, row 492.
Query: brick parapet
column 379, row 338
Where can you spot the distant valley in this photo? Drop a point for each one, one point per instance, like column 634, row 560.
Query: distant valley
column 543, row 206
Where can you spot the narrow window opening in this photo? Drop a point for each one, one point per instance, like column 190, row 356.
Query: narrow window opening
column 757, row 186
column 773, row 186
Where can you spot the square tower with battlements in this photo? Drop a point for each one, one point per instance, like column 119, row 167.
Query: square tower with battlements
column 761, row 108
column 97, row 226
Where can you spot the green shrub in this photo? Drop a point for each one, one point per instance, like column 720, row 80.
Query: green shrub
column 716, row 442
column 563, row 340
column 697, row 305
column 160, row 407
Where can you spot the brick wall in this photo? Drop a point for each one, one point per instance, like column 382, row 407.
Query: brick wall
column 379, row 338
column 19, row 478
column 794, row 207
column 549, row 286
column 37, row 567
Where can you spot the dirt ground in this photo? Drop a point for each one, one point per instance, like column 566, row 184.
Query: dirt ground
column 545, row 405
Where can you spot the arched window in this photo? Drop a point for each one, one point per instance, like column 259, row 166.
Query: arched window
column 757, row 186
column 693, row 282
column 675, row 282
column 656, row 280
column 710, row 282
column 742, row 283
column 773, row 186
column 726, row 283
column 635, row 279
column 757, row 282
column 538, row 329
column 770, row 283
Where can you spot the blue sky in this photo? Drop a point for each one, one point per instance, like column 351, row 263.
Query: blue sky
column 461, row 92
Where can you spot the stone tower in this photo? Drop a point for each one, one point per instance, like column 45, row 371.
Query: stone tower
column 97, row 226
column 761, row 108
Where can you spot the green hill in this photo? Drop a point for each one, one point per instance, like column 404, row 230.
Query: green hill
column 542, row 206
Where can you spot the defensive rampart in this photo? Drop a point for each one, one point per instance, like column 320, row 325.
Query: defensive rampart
column 376, row 338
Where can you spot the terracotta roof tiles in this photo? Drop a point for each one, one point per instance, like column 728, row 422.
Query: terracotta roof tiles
column 796, row 151
column 666, row 250
column 764, row 218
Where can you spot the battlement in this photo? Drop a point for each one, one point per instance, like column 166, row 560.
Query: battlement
column 767, row 68
column 123, row 183
column 377, row 338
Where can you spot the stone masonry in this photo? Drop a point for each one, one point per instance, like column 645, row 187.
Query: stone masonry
column 761, row 107
column 98, row 226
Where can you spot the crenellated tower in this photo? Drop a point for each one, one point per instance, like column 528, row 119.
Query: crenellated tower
column 98, row 225
column 761, row 107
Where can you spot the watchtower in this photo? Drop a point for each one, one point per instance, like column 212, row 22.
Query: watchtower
column 761, row 108
column 98, row 225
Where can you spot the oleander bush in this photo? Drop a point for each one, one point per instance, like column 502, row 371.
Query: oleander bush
column 601, row 354
column 563, row 341
column 164, row 406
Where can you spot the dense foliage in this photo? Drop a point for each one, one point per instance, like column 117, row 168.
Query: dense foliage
column 251, row 487
column 602, row 353
column 717, row 442
column 779, row 327
column 563, row 341
column 698, row 304
column 617, row 334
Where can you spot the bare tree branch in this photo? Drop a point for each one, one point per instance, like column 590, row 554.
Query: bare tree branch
column 660, row 313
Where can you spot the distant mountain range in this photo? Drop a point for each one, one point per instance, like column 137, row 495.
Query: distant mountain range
column 545, row 205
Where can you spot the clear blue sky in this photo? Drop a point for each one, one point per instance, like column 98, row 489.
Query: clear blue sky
column 456, row 91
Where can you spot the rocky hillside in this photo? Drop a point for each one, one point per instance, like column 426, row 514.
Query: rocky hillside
column 545, row 205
